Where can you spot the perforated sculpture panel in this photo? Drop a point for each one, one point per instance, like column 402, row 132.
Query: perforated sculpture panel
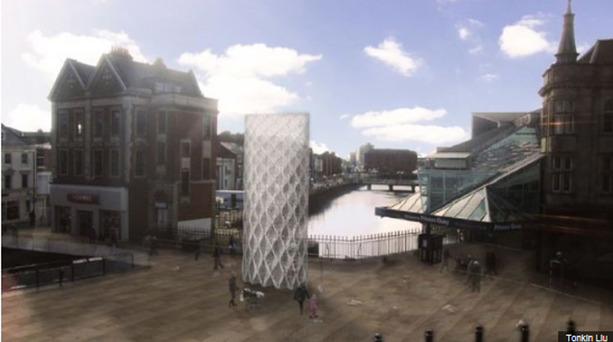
column 276, row 200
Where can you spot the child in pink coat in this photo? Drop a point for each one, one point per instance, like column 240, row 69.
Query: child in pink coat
column 313, row 306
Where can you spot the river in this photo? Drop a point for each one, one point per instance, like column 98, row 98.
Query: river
column 353, row 213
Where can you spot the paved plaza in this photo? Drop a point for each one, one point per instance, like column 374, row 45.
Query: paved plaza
column 180, row 299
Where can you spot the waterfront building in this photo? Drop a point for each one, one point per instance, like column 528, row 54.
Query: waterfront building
column 361, row 152
column 133, row 147
column 541, row 180
column 390, row 161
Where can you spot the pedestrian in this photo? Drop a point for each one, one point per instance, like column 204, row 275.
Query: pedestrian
column 475, row 276
column 490, row 264
column 313, row 306
column 446, row 257
column 469, row 262
column 233, row 288
column 232, row 245
column 300, row 295
column 197, row 251
column 217, row 255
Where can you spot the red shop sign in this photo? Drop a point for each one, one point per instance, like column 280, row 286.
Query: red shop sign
column 83, row 198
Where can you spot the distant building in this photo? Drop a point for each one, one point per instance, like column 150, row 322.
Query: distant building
column 390, row 161
column 239, row 153
column 133, row 147
column 18, row 178
column 361, row 152
column 226, row 168
column 331, row 164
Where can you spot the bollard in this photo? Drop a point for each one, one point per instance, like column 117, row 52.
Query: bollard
column 525, row 333
column 429, row 336
column 479, row 334
column 570, row 327
column 378, row 338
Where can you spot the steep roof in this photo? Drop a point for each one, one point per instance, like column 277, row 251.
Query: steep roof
column 600, row 53
column 12, row 136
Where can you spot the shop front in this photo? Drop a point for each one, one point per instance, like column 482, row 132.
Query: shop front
column 90, row 211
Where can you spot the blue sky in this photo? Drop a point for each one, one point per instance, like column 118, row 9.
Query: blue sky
column 398, row 74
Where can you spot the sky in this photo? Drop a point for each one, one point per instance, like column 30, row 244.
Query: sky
column 398, row 74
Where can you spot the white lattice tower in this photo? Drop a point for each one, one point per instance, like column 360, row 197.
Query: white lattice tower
column 276, row 199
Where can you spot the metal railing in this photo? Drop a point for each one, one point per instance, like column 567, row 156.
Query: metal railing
column 63, row 271
column 363, row 246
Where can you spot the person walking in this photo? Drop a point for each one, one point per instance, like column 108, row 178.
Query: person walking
column 217, row 255
column 232, row 288
column 197, row 251
column 232, row 245
column 300, row 295
column 446, row 257
column 490, row 264
column 475, row 276
column 313, row 306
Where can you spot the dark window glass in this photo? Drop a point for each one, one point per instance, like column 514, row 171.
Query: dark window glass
column 206, row 168
column 185, row 149
column 97, row 163
column 206, row 126
column 161, row 122
column 24, row 158
column 114, row 163
column 8, row 181
column 184, row 182
column 7, row 158
column 98, row 123
column 115, row 119
column 141, row 123
column 140, row 163
column 78, row 162
column 62, row 124
column 63, row 162
column 161, row 153
column 24, row 181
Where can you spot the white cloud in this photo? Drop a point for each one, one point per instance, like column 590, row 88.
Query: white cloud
column 49, row 52
column 490, row 77
column 390, row 52
column 28, row 118
column 430, row 134
column 318, row 148
column 344, row 116
column 401, row 125
column 238, row 77
column 396, row 117
column 524, row 39
column 468, row 31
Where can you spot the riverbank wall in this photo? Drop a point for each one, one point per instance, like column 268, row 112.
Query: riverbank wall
column 321, row 198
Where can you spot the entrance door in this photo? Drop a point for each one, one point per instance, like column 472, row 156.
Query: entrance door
column 85, row 222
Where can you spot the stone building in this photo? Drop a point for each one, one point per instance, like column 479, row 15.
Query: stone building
column 18, row 178
column 133, row 146
column 577, row 139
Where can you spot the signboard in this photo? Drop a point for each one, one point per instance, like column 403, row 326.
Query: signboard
column 82, row 198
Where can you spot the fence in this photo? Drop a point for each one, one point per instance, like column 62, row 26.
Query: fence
column 62, row 271
column 363, row 246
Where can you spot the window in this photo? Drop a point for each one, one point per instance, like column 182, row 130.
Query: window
column 564, row 124
column 161, row 122
column 98, row 123
column 10, row 210
column 206, row 168
column 115, row 163
column 63, row 124
column 115, row 117
column 40, row 158
column 161, row 153
column 141, row 123
column 608, row 117
column 140, row 163
column 185, row 182
column 564, row 106
column 24, row 181
column 607, row 174
column 561, row 175
column 63, row 162
column 79, row 122
column 97, row 162
column 185, row 149
column 7, row 158
column 78, row 162
column 8, row 182
column 24, row 158
column 206, row 126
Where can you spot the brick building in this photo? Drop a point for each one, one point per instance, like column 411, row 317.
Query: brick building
column 390, row 161
column 133, row 146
